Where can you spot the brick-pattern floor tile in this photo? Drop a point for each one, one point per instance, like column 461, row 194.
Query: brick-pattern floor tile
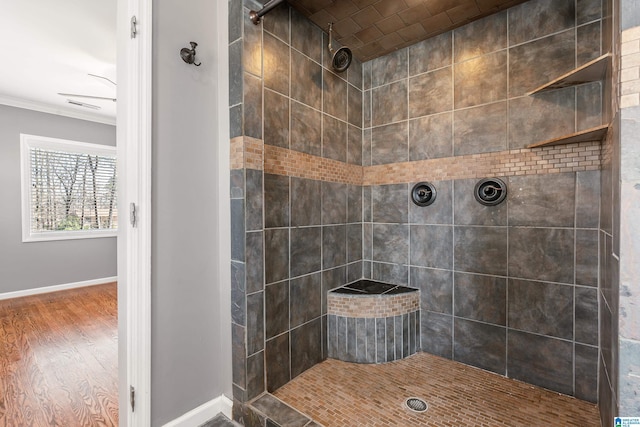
column 340, row 394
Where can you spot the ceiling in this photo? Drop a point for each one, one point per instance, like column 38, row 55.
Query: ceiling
column 50, row 47
column 373, row 28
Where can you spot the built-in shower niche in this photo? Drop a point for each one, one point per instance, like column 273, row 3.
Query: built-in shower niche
column 373, row 322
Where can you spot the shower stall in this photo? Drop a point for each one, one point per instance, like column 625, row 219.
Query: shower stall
column 324, row 163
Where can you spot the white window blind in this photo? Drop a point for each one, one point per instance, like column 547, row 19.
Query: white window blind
column 68, row 189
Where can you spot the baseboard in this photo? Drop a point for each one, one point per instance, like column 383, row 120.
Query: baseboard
column 203, row 413
column 56, row 288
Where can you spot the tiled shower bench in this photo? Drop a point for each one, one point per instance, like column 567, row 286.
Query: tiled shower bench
column 373, row 322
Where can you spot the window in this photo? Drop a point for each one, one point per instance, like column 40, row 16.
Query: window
column 68, row 189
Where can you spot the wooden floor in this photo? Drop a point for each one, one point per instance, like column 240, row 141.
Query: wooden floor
column 58, row 359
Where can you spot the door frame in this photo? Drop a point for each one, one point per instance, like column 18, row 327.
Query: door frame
column 134, row 142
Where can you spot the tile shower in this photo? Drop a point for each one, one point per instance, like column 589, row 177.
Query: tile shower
column 322, row 167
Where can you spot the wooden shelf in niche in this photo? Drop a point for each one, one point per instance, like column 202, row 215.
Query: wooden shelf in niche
column 595, row 134
column 592, row 71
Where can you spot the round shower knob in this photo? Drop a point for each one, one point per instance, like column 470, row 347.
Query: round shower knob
column 490, row 191
column 423, row 194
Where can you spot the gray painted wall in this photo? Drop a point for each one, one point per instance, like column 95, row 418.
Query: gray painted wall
column 189, row 347
column 58, row 262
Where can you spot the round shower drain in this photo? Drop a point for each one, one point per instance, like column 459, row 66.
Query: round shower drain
column 416, row 405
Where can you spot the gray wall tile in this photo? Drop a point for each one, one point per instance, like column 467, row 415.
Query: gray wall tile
column 389, row 203
column 354, row 106
column 482, row 298
column 306, row 202
column 354, row 242
column 431, row 246
column 276, row 255
column 391, row 243
column 354, row 145
column 468, row 211
column 276, row 201
column 253, row 199
column 439, row 212
column 397, row 274
column 429, row 93
column 587, row 199
column 436, row 332
column 354, row 73
column 255, row 322
column 481, row 345
column 334, row 95
column 480, row 37
column 276, row 64
column 430, row 137
column 480, row 129
column 588, row 42
column 254, row 262
column 307, row 350
column 546, row 362
column 305, row 36
column 436, row 289
column 588, row 106
column 586, row 316
column 334, row 138
column 255, row 375
column 306, row 129
column 586, row 373
column 540, row 61
column 276, row 119
column 389, row 144
column 238, row 292
column 278, row 22
column 481, row 80
column 542, row 200
column 252, row 106
column 389, row 68
column 237, row 229
column 354, row 203
column 481, row 250
column 277, row 362
column 389, row 103
column 305, row 299
column 540, row 117
column 430, row 54
column 542, row 308
column 334, row 246
column 587, row 257
column 588, row 10
column 334, row 203
column 306, row 253
column 541, row 254
column 306, row 82
column 276, row 309
column 539, row 18
column 235, row 73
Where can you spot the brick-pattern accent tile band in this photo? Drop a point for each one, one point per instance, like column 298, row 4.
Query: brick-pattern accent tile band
column 281, row 161
column 246, row 152
column 336, row 393
column 630, row 68
column 252, row 153
column 372, row 306
column 543, row 160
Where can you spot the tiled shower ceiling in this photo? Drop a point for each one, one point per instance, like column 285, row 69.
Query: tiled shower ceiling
column 373, row 28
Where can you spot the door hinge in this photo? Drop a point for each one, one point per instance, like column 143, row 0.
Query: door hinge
column 134, row 27
column 132, row 398
column 133, row 215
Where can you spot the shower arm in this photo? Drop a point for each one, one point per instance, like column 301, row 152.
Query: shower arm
column 330, row 37
column 256, row 16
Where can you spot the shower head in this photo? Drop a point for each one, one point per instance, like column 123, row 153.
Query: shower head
column 341, row 58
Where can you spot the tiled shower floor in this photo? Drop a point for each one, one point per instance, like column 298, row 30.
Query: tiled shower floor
column 339, row 394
